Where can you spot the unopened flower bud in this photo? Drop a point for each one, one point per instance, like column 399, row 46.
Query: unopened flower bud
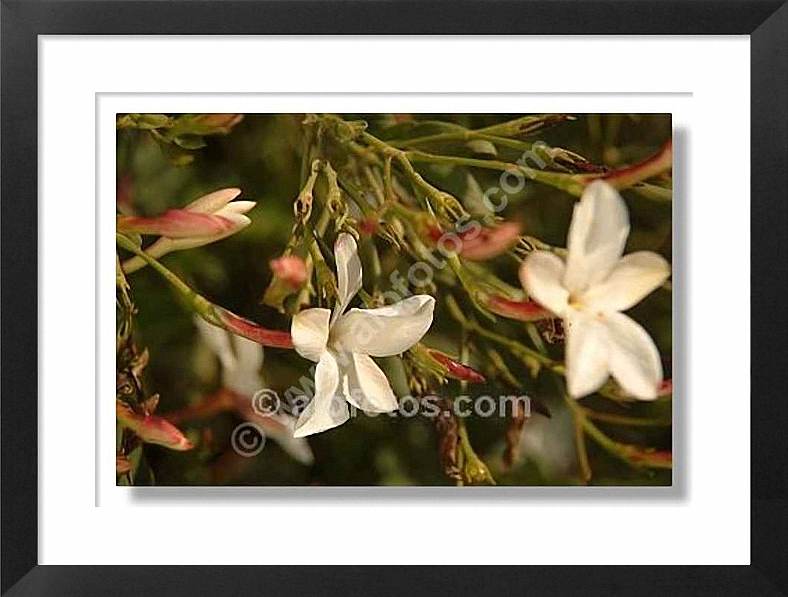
column 477, row 243
column 176, row 223
column 456, row 369
column 152, row 429
column 206, row 220
column 291, row 270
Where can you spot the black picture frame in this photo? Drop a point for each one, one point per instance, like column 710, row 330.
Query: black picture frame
column 766, row 21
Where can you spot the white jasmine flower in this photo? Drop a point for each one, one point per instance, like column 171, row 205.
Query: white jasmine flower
column 241, row 361
column 342, row 344
column 590, row 291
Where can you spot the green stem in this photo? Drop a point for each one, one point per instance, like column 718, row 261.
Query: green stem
column 582, row 452
column 199, row 303
column 621, row 451
column 525, row 125
column 516, row 348
column 571, row 183
column 445, row 203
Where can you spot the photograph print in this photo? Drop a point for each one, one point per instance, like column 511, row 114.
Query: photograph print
column 394, row 299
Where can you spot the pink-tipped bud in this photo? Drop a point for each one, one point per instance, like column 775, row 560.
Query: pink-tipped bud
column 520, row 310
column 477, row 243
column 177, row 223
column 291, row 270
column 250, row 330
column 152, row 429
column 215, row 215
column 456, row 369
column 665, row 388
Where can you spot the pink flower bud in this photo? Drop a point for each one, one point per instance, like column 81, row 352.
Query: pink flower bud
column 455, row 369
column 177, row 223
column 290, row 269
column 249, row 329
column 152, row 429
column 490, row 242
column 520, row 310
column 477, row 243
column 205, row 220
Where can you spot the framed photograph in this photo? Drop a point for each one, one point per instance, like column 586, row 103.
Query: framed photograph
column 480, row 283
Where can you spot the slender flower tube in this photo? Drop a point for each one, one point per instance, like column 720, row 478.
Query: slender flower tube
column 206, row 220
column 622, row 178
column 342, row 345
column 249, row 329
column 152, row 429
column 176, row 223
column 591, row 289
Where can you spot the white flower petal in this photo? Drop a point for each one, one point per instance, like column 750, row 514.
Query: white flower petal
column 236, row 207
column 634, row 277
column 541, row 274
column 309, row 329
column 366, row 386
column 327, row 409
column 348, row 271
column 244, row 378
column 218, row 340
column 634, row 358
column 238, row 220
column 213, row 201
column 248, row 353
column 587, row 354
column 385, row 331
column 597, row 235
